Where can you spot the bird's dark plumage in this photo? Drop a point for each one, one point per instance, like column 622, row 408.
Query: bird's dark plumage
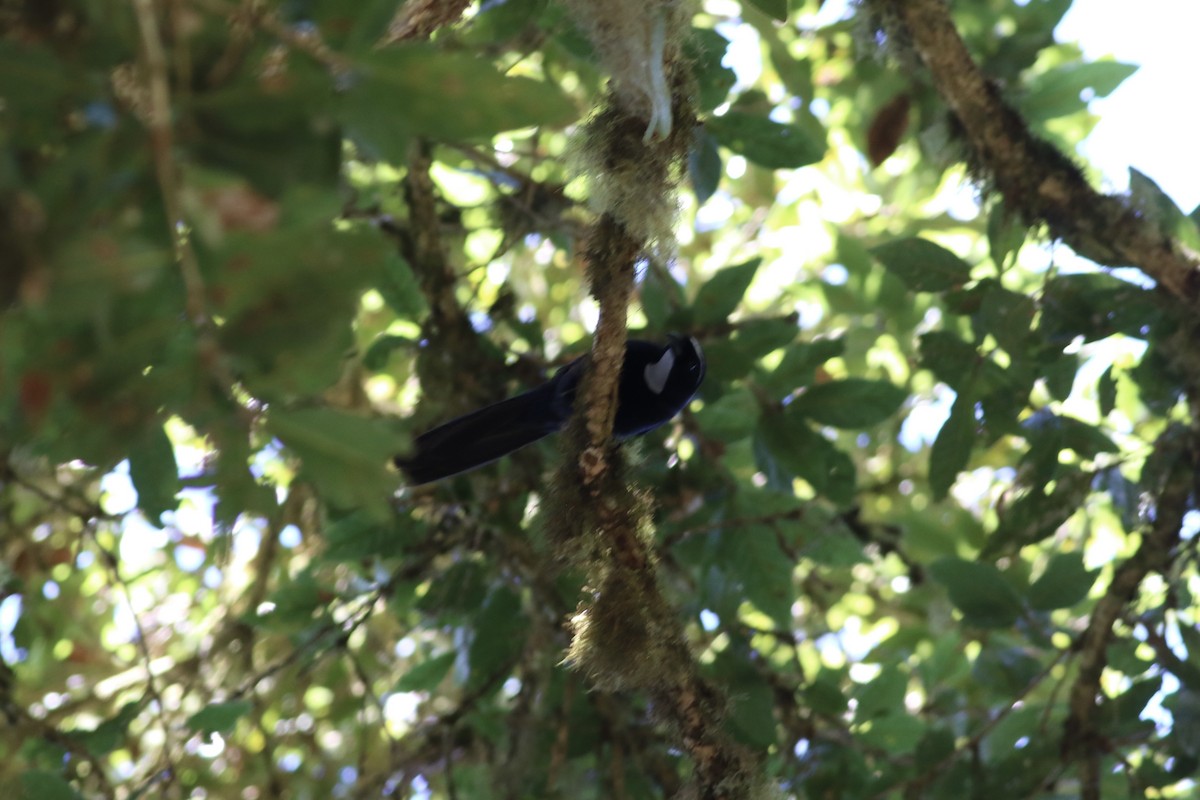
column 656, row 382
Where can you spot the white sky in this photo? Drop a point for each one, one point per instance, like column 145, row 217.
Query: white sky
column 1151, row 121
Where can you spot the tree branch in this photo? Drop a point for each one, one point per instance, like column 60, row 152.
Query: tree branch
column 1037, row 181
column 1080, row 737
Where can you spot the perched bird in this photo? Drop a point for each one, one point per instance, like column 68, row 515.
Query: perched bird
column 656, row 383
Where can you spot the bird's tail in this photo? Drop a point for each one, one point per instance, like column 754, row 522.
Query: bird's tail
column 480, row 437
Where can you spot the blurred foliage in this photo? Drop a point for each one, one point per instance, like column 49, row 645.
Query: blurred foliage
column 926, row 445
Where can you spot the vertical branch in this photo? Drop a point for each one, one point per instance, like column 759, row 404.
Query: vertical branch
column 611, row 253
column 627, row 636
column 162, row 142
column 158, row 122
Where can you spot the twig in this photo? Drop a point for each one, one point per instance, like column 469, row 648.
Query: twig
column 418, row 19
column 158, row 123
column 170, row 774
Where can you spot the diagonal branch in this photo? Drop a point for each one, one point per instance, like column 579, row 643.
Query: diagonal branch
column 1080, row 737
column 1037, row 181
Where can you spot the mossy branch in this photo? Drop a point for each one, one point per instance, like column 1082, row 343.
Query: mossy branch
column 1037, row 181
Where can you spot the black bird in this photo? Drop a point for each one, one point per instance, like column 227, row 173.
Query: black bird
column 656, row 383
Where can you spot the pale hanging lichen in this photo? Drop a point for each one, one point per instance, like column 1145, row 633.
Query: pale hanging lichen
column 632, row 148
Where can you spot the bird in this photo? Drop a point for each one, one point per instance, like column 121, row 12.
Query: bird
column 656, row 383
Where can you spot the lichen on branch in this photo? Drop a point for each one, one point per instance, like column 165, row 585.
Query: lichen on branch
column 1038, row 182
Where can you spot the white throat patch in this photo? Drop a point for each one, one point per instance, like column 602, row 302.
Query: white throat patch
column 656, row 374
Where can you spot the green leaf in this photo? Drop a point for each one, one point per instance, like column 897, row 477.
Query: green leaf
column 499, row 634
column 834, row 547
column 345, row 455
column 776, row 9
column 288, row 297
column 1122, row 493
column 883, row 696
column 824, row 694
column 704, row 166
column 952, row 360
column 934, row 748
column 38, row 784
column 1095, row 306
column 1106, row 391
column 1007, row 316
column 718, row 298
column 219, row 717
column 426, row 676
column 110, row 734
column 898, row 734
column 358, row 536
column 399, row 289
column 380, row 350
column 802, row 452
column 154, row 473
column 1064, row 583
column 769, row 144
column 1006, row 234
column 732, row 417
column 979, row 591
column 1022, row 722
column 276, row 134
column 757, row 570
column 1057, row 92
column 1037, row 514
column 1054, row 432
column 1184, row 706
column 293, row 604
column 752, row 712
column 952, row 447
column 1152, row 202
column 760, row 337
column 849, row 403
column 418, row 90
column 705, row 49
column 1123, row 712
column 457, row 592
column 1187, row 671
column 923, row 265
column 799, row 365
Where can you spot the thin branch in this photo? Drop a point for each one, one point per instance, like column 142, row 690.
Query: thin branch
column 1080, row 737
column 159, row 125
column 170, row 774
column 418, row 19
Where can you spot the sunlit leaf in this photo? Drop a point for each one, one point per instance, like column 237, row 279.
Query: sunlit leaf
column 219, row 717
column 723, row 292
